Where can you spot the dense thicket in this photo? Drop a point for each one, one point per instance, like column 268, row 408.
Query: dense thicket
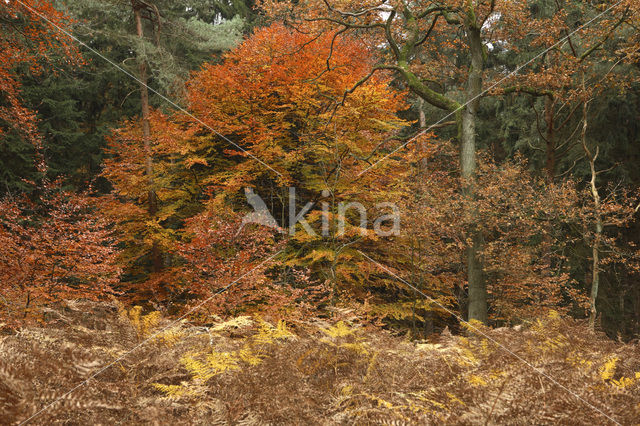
column 517, row 191
column 254, row 371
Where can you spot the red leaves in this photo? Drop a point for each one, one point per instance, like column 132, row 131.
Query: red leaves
column 52, row 250
column 219, row 252
column 28, row 40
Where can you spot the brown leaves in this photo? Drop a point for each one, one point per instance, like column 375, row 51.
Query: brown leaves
column 52, row 250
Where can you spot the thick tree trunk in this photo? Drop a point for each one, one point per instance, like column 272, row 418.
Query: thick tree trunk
column 146, row 136
column 466, row 117
column 475, row 276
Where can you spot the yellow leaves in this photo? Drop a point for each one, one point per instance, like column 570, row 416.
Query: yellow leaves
column 466, row 358
column 267, row 333
column 553, row 340
column 473, row 325
column 247, row 355
column 174, row 392
column 143, row 324
column 469, row 354
column 302, row 236
column 624, row 382
column 422, row 396
column 346, row 390
column 203, row 366
column 608, row 369
column 484, row 380
column 476, row 380
column 360, row 348
column 400, row 310
column 553, row 315
column 321, row 254
column 201, row 371
column 237, row 322
column 171, row 336
column 381, row 402
column 149, row 322
column 579, row 362
column 213, row 364
column 443, row 381
column 455, row 399
column 339, row 330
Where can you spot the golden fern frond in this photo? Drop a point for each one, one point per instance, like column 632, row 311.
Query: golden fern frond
column 267, row 333
column 339, row 330
column 214, row 363
column 237, row 322
column 175, row 392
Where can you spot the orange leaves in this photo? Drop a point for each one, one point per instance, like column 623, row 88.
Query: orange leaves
column 28, row 40
column 274, row 101
column 54, row 250
column 125, row 169
column 572, row 39
column 523, row 221
column 275, row 97
column 218, row 250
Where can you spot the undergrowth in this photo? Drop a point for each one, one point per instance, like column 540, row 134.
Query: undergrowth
column 248, row 370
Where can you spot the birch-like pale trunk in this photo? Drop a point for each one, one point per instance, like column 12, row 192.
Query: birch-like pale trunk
column 597, row 237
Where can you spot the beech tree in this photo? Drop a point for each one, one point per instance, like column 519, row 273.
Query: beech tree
column 53, row 248
column 438, row 50
column 273, row 97
column 144, row 236
column 565, row 51
column 162, row 67
column 577, row 65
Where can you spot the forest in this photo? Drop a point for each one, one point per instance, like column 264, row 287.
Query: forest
column 262, row 212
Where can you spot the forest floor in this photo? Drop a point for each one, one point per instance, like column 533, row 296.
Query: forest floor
column 249, row 371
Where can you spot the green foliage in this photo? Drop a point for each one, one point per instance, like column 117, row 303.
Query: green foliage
column 77, row 107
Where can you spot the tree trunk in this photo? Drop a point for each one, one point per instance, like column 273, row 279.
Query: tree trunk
column 475, row 276
column 466, row 117
column 146, row 136
column 595, row 248
column 550, row 163
column 423, row 125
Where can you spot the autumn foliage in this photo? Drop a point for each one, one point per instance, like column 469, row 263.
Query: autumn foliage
column 29, row 45
column 248, row 369
column 279, row 98
column 53, row 249
column 449, row 200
